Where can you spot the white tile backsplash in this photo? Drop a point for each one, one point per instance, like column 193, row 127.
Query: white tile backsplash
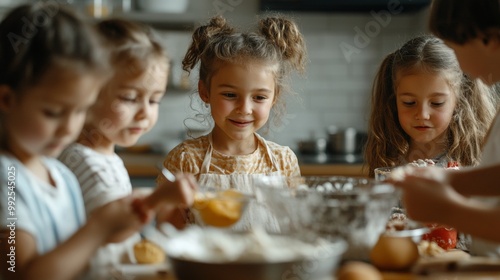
column 334, row 91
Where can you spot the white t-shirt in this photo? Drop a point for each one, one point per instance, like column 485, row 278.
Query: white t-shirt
column 490, row 156
column 103, row 178
column 50, row 214
column 491, row 150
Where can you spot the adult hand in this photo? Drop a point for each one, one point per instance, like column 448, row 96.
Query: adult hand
column 431, row 172
column 426, row 199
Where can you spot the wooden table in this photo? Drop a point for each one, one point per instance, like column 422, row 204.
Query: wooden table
column 150, row 272
column 354, row 170
column 386, row 276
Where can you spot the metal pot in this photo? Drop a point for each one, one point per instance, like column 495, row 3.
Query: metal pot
column 165, row 6
column 347, row 141
column 312, row 147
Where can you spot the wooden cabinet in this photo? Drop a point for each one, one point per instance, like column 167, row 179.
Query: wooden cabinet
column 142, row 164
column 351, row 170
column 148, row 165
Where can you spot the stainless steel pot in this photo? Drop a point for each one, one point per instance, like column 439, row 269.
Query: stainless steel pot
column 346, row 141
column 312, row 147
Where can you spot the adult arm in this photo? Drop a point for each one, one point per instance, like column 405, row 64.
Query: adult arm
column 474, row 181
column 430, row 201
column 479, row 181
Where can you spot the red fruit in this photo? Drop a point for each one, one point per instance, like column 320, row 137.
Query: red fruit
column 446, row 238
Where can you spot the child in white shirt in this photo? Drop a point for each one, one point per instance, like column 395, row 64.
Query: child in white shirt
column 126, row 108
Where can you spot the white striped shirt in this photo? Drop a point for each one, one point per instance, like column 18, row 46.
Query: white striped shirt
column 103, row 178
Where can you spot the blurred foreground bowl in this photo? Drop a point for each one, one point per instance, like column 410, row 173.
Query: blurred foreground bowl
column 211, row 253
column 354, row 209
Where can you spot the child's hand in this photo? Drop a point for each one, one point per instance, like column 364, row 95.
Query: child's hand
column 176, row 216
column 120, row 219
column 177, row 193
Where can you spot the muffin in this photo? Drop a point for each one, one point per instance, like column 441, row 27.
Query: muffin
column 147, row 252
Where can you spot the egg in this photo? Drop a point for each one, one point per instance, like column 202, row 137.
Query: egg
column 355, row 270
column 394, row 253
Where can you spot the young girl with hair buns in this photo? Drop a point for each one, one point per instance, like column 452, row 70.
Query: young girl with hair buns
column 242, row 80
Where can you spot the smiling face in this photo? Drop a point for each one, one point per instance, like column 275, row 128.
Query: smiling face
column 241, row 98
column 425, row 104
column 47, row 117
column 127, row 107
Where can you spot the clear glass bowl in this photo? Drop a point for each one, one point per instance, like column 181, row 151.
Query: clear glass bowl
column 354, row 209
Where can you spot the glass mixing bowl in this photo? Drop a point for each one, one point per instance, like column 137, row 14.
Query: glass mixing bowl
column 354, row 209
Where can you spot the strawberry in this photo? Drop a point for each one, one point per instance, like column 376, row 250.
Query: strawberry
column 446, row 238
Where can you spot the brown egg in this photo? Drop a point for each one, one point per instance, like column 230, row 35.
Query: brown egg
column 394, row 253
column 355, row 270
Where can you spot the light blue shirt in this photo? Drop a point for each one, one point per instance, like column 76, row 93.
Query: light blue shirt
column 50, row 214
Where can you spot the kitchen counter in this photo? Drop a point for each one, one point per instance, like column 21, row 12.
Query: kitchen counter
column 142, row 164
column 149, row 164
column 334, row 169
column 328, row 164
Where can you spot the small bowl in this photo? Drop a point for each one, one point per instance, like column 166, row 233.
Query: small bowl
column 219, row 208
column 211, row 253
column 382, row 173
